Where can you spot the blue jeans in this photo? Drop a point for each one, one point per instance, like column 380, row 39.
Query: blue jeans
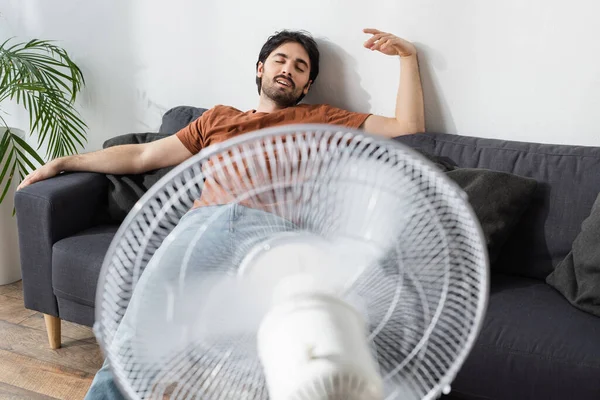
column 232, row 231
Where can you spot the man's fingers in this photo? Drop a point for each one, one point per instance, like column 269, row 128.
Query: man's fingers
column 369, row 43
column 380, row 45
column 371, row 30
column 25, row 182
column 372, row 40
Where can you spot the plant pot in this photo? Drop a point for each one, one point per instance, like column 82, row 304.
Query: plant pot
column 10, row 261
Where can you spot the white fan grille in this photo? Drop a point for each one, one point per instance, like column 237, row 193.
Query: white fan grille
column 425, row 300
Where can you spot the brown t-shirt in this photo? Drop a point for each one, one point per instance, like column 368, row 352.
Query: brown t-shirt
column 221, row 123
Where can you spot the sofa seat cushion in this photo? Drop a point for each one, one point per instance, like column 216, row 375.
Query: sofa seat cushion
column 76, row 263
column 533, row 345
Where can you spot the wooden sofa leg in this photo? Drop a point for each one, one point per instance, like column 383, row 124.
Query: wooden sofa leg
column 53, row 329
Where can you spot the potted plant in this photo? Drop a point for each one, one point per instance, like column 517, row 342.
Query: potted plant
column 41, row 77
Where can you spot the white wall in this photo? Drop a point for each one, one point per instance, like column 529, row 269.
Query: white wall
column 512, row 69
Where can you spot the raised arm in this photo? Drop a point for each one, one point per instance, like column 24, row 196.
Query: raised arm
column 117, row 160
column 410, row 115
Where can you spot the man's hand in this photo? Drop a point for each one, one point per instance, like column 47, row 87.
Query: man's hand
column 46, row 171
column 410, row 114
column 389, row 44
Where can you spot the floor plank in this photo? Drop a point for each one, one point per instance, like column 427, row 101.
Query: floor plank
column 13, row 290
column 6, row 289
column 12, row 310
column 29, row 368
column 42, row 377
column 10, row 392
column 12, row 287
column 79, row 355
column 68, row 329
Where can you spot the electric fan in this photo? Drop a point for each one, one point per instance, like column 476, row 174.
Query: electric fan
column 297, row 262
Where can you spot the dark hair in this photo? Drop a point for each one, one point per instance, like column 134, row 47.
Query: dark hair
column 301, row 37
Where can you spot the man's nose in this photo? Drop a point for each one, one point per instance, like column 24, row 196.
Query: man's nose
column 287, row 68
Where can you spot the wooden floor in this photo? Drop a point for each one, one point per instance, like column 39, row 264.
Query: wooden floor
column 29, row 368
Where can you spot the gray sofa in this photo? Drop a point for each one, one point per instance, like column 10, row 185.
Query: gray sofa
column 534, row 344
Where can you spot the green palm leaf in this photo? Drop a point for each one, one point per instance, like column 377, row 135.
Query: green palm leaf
column 42, row 78
column 16, row 156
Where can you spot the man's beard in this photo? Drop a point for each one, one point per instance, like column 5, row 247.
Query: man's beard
column 283, row 98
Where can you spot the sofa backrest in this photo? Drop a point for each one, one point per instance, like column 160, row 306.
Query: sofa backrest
column 568, row 183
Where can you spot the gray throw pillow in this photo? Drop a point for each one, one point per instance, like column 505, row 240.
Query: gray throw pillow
column 498, row 199
column 577, row 277
column 125, row 190
column 179, row 117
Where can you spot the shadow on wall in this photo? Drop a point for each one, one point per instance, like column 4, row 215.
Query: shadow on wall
column 338, row 83
column 438, row 116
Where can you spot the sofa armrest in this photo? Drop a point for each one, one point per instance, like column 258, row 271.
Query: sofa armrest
column 47, row 212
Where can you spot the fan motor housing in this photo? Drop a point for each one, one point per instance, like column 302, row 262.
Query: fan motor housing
column 313, row 346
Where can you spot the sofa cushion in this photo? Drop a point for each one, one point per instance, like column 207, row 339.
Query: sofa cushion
column 134, row 138
column 179, row 117
column 125, row 190
column 568, row 183
column 498, row 200
column 533, row 345
column 76, row 263
column 577, row 277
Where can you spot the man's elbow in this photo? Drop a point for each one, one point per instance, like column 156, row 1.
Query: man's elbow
column 142, row 159
column 409, row 128
column 418, row 127
column 391, row 127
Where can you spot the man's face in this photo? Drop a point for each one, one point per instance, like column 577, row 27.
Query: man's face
column 285, row 74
